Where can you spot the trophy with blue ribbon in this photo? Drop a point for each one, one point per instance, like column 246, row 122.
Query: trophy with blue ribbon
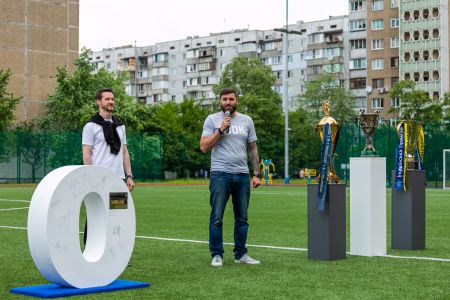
column 329, row 134
column 410, row 151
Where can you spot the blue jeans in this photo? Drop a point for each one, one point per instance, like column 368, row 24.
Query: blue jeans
column 221, row 186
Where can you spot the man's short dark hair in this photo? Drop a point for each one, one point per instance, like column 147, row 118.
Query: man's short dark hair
column 100, row 92
column 226, row 91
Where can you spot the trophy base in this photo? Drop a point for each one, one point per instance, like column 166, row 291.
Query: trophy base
column 369, row 153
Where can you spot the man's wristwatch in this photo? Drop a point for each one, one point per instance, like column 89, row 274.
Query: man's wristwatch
column 129, row 176
column 220, row 131
column 258, row 175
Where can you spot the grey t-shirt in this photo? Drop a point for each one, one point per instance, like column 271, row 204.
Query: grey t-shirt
column 230, row 153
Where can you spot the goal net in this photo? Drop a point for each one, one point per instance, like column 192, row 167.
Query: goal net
column 446, row 169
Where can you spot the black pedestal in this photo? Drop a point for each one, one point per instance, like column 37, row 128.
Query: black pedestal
column 408, row 213
column 326, row 230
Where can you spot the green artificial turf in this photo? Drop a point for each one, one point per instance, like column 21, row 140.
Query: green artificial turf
column 277, row 217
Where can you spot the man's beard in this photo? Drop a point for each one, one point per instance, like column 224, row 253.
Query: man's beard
column 231, row 109
column 108, row 108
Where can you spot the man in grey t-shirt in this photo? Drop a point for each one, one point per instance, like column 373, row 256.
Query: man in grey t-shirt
column 229, row 134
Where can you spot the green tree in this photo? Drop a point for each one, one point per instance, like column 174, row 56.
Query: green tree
column 253, row 81
column 327, row 87
column 446, row 108
column 415, row 104
column 180, row 127
column 73, row 101
column 7, row 100
column 7, row 105
column 304, row 141
column 34, row 146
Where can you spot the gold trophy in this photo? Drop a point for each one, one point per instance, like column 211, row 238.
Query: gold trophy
column 368, row 123
column 334, row 127
column 413, row 139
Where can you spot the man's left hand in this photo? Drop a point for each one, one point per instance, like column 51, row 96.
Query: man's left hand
column 255, row 181
column 130, row 184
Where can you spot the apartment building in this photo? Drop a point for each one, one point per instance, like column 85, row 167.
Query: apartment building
column 327, row 48
column 188, row 68
column 424, row 46
column 382, row 55
column 37, row 37
column 358, row 53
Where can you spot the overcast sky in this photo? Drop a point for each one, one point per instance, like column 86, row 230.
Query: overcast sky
column 112, row 23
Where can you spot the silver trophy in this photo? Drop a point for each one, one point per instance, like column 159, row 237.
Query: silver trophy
column 368, row 123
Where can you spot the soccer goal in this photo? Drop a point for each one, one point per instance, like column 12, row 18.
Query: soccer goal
column 446, row 169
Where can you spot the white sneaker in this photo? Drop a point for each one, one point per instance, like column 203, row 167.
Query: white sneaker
column 247, row 260
column 217, row 261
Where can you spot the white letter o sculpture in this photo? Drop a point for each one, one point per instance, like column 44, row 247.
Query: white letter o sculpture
column 54, row 225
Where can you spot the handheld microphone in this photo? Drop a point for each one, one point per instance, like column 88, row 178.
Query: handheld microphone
column 227, row 114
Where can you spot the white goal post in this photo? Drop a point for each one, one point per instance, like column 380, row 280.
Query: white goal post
column 446, row 169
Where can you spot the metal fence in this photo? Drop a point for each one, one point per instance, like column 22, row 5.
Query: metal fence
column 352, row 141
column 29, row 156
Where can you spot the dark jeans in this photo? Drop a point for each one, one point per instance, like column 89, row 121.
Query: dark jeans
column 221, row 186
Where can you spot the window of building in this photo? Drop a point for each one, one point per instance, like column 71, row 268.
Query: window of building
column 377, row 44
column 221, row 41
column 435, row 54
column 416, row 56
column 119, row 55
column 377, row 103
column 356, row 25
column 377, row 4
column 395, row 42
column 406, row 57
column 416, row 14
column 406, row 16
column 406, row 36
column 426, row 13
column 174, row 98
column 416, row 35
column 395, row 22
column 394, row 3
column 314, row 70
column 358, row 44
column 140, row 87
column 359, row 63
column 426, row 34
column 435, row 75
column 172, row 47
column 395, row 102
column 237, row 39
column 407, row 76
column 358, row 83
column 394, row 62
column 435, row 33
column 108, row 66
column 377, row 64
column 378, row 83
column 356, row 5
column 416, row 76
column 394, row 81
column 426, row 76
column 426, row 55
column 378, row 24
column 435, row 96
column 435, row 12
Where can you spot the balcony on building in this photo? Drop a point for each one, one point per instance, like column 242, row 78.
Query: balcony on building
column 160, row 59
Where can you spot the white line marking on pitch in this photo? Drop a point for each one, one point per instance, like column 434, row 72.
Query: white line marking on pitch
column 15, row 208
column 260, row 246
column 13, row 200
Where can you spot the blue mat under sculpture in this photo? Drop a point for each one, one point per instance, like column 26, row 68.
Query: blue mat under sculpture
column 55, row 291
